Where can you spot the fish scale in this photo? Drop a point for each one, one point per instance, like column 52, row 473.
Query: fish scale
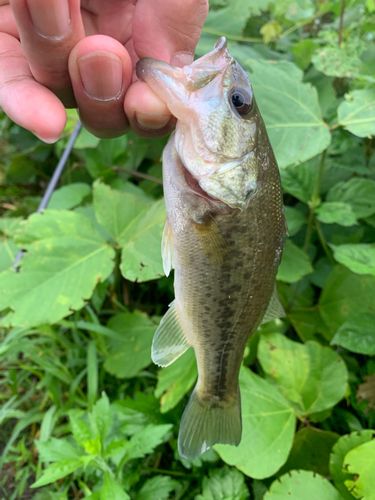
column 224, row 236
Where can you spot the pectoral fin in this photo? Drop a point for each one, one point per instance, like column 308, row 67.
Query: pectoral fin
column 274, row 310
column 212, row 241
column 167, row 248
column 169, row 341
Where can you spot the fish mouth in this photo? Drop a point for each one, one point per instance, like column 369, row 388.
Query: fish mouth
column 194, row 186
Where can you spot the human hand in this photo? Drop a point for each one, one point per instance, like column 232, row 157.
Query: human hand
column 83, row 53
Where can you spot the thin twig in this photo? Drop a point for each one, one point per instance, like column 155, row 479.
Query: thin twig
column 54, row 180
column 341, row 21
column 138, row 174
column 232, row 37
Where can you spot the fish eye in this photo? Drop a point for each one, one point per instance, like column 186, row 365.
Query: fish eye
column 242, row 100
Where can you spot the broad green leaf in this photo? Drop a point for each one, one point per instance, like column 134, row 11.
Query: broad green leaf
column 268, row 426
column 311, row 451
column 8, row 253
column 357, row 192
column 361, row 462
column 357, row 334
column 340, row 61
column 101, row 416
column 307, row 323
column 344, row 295
column 57, row 450
column 290, row 110
column 157, row 488
column 300, row 180
column 339, row 452
column 175, row 380
column 358, row 258
column 336, row 212
column 133, row 353
column 295, row 264
column 295, row 220
column 141, row 253
column 357, row 112
column 69, row 196
column 313, row 378
column 112, row 490
column 9, row 225
column 86, row 140
column 65, row 258
column 224, row 484
column 56, row 471
column 146, row 440
column 302, row 484
column 231, row 20
column 294, row 10
column 116, row 211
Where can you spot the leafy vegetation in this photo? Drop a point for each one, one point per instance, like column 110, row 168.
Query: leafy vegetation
column 84, row 413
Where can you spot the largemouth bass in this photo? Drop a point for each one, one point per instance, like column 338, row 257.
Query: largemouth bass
column 224, row 235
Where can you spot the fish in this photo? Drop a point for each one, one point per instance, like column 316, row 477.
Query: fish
column 224, row 235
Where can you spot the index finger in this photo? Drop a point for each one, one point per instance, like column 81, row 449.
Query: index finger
column 168, row 30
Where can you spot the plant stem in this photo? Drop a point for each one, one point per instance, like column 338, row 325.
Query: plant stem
column 138, row 174
column 341, row 21
column 323, row 242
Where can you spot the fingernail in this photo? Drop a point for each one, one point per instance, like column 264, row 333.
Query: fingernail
column 181, row 59
column 50, row 17
column 151, row 121
column 101, row 75
column 47, row 141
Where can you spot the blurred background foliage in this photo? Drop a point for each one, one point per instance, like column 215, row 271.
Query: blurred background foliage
column 84, row 413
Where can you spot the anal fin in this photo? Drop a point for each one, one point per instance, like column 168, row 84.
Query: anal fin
column 274, row 310
column 169, row 341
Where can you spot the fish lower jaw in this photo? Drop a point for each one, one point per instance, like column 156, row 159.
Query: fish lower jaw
column 194, row 186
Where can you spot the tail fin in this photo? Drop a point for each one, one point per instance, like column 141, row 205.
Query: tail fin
column 205, row 423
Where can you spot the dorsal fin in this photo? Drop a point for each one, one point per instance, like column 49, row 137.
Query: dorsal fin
column 274, row 310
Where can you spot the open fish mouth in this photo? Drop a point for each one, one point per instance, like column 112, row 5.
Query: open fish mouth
column 193, row 184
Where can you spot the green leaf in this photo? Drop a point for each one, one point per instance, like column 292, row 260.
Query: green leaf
column 357, row 192
column 146, row 440
column 338, row 455
column 313, row 378
column 69, row 196
column 311, row 451
column 307, row 324
column 290, row 110
column 133, row 352
column 300, row 180
column 101, row 416
column 57, row 450
column 56, row 471
column 268, row 426
column 224, row 484
column 80, row 428
column 357, row 112
column 175, row 380
column 232, row 20
column 340, row 61
column 361, row 462
column 9, row 225
column 302, row 484
column 336, row 212
column 157, row 488
column 357, row 334
column 295, row 264
column 294, row 10
column 344, row 295
column 8, row 253
column 62, row 248
column 358, row 258
column 295, row 220
column 141, row 253
column 112, row 490
column 116, row 211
